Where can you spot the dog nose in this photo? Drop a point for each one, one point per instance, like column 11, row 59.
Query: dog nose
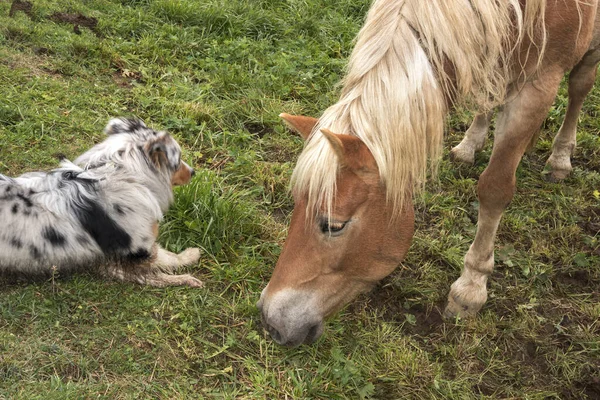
column 193, row 172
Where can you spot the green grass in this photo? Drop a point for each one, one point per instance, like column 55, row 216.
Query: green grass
column 216, row 74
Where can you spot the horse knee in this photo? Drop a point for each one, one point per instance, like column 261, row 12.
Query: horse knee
column 496, row 191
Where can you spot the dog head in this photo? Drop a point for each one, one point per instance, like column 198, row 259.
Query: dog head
column 131, row 144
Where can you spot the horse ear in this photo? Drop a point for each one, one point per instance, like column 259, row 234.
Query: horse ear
column 301, row 124
column 351, row 152
column 336, row 143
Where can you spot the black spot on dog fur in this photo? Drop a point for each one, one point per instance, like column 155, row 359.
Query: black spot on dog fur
column 140, row 254
column 27, row 202
column 16, row 243
column 83, row 240
column 134, row 124
column 127, row 125
column 119, row 209
column 55, row 238
column 69, row 175
column 35, row 252
column 104, row 230
column 15, row 208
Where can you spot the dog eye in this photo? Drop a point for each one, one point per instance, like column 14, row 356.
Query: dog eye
column 332, row 227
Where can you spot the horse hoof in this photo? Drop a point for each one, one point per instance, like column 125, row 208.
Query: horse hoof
column 463, row 156
column 455, row 309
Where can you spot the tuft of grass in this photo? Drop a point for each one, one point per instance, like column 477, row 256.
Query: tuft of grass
column 217, row 219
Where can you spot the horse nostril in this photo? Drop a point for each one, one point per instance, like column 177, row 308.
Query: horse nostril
column 313, row 333
column 275, row 334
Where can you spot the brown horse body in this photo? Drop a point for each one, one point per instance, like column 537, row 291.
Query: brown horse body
column 345, row 238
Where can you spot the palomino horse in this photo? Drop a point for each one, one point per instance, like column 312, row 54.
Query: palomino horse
column 353, row 218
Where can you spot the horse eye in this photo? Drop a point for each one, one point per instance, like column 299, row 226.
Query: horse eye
column 332, row 227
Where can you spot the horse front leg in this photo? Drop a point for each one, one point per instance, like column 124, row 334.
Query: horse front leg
column 516, row 124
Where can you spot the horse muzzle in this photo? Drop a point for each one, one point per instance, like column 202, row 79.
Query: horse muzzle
column 290, row 317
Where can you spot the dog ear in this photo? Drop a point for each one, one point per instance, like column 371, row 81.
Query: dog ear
column 164, row 151
column 123, row 125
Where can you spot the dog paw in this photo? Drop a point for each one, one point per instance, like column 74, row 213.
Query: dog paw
column 188, row 280
column 189, row 256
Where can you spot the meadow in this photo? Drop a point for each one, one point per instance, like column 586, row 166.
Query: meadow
column 216, row 74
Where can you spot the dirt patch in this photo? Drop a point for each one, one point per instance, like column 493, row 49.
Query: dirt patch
column 121, row 81
column 426, row 320
column 215, row 161
column 419, row 319
column 276, row 150
column 35, row 64
column 256, row 128
column 591, row 221
column 281, row 214
column 579, row 281
column 70, row 372
column 529, row 353
column 77, row 20
column 562, row 325
column 589, row 388
column 484, row 389
column 42, row 51
column 124, row 78
column 586, row 162
column 20, row 5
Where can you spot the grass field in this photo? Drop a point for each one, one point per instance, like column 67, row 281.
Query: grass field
column 216, row 73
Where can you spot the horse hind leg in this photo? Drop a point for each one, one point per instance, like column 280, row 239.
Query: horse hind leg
column 581, row 81
column 516, row 124
column 474, row 139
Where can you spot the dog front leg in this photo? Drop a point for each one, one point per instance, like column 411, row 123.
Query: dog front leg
column 169, row 262
column 157, row 269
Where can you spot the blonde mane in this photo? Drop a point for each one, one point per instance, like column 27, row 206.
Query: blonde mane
column 395, row 93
